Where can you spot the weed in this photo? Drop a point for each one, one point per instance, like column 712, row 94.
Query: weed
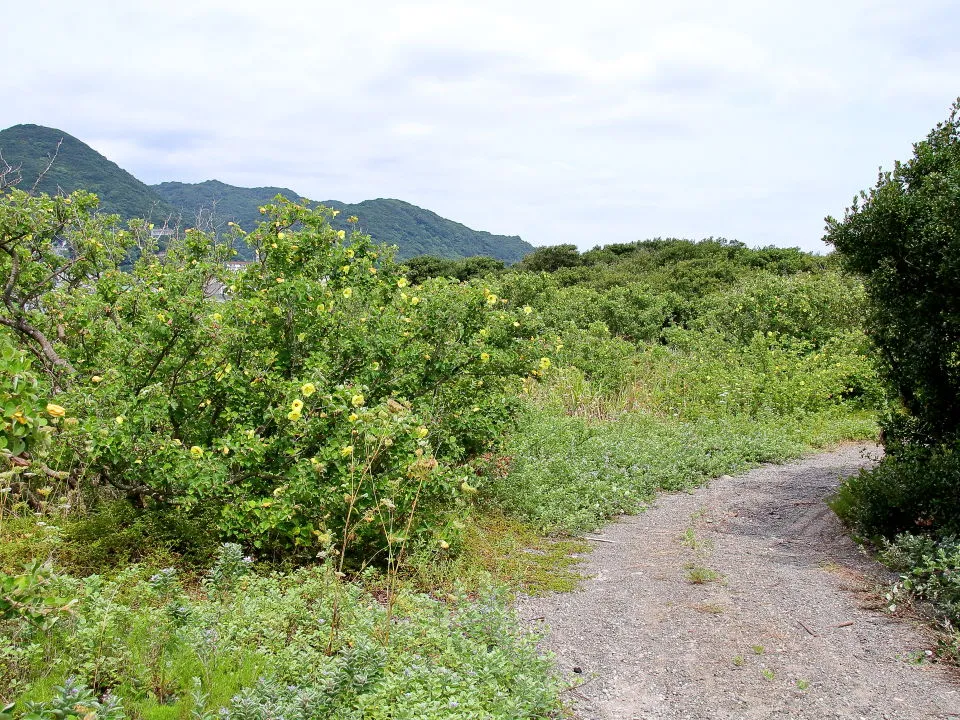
column 699, row 575
column 802, row 684
column 757, row 649
column 767, row 673
column 738, row 660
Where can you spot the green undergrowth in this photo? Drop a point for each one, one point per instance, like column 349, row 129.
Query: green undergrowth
column 570, row 474
column 295, row 645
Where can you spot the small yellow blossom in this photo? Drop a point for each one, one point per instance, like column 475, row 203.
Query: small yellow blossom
column 357, row 400
column 280, row 280
column 308, row 389
column 544, row 363
column 375, row 365
column 444, row 544
column 373, row 270
column 263, row 211
column 225, row 450
column 402, row 283
column 119, row 419
column 350, row 252
column 96, row 379
column 353, row 417
column 347, row 292
column 353, row 219
column 346, row 450
column 296, row 405
column 196, row 451
column 422, row 432
column 527, row 309
column 293, row 415
column 467, row 488
column 491, row 299
column 484, row 357
column 414, row 300
column 56, row 411
column 341, row 234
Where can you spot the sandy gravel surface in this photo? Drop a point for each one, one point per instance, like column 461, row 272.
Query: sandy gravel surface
column 791, row 609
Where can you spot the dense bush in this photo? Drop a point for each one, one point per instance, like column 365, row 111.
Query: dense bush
column 316, row 399
column 903, row 237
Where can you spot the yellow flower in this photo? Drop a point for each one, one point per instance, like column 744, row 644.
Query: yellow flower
column 345, row 269
column 308, row 389
column 196, row 451
column 527, row 309
column 353, row 417
column 444, row 544
column 225, row 450
column 357, row 400
column 320, row 308
column 346, row 450
column 350, row 252
column 375, row 365
column 353, row 219
column 402, row 283
column 296, row 405
column 414, row 300
column 347, row 292
column 341, row 234
column 119, row 419
column 293, row 415
column 56, row 411
column 280, row 280
column 373, row 270
column 422, row 432
column 467, row 488
column 484, row 357
column 491, row 299
column 544, row 363
column 263, row 211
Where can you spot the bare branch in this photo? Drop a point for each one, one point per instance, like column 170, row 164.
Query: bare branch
column 49, row 165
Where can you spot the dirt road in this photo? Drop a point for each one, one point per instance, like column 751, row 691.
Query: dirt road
column 744, row 599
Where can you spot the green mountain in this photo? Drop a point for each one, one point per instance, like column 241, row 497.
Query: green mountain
column 224, row 203
column 77, row 166
column 422, row 232
column 414, row 230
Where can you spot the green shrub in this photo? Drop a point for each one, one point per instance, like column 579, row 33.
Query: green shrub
column 916, row 490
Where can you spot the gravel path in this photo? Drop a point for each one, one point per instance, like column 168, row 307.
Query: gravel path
column 788, row 629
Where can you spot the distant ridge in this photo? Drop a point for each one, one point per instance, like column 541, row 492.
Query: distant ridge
column 416, row 231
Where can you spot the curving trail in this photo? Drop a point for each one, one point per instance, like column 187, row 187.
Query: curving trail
column 789, row 628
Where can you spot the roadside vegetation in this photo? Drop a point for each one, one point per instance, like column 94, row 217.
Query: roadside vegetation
column 309, row 488
column 903, row 238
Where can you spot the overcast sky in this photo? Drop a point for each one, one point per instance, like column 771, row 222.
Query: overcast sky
column 587, row 122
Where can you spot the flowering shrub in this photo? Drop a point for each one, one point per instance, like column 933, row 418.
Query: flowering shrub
column 312, row 398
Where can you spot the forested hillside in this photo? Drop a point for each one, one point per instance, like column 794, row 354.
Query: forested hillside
column 77, row 166
column 214, row 204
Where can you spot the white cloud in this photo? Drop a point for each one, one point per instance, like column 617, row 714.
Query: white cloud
column 594, row 123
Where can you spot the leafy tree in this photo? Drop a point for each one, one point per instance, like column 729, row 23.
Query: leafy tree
column 548, row 259
column 903, row 237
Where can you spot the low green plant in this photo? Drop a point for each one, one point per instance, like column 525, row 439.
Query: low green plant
column 700, row 575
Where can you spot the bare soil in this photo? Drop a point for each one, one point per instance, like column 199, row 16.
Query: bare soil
column 745, row 599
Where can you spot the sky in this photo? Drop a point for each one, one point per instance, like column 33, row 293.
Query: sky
column 585, row 123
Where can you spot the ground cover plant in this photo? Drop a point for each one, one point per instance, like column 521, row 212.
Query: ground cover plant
column 309, row 486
